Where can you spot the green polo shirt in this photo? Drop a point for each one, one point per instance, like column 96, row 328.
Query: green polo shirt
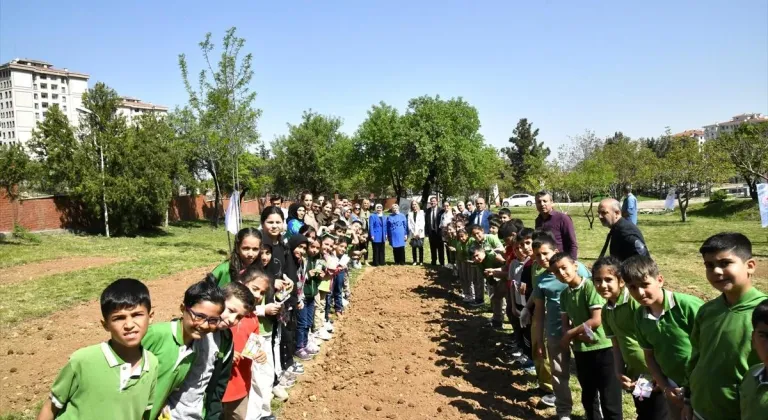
column 548, row 288
column 722, row 353
column 461, row 249
column 97, row 384
column 578, row 303
column 221, row 272
column 165, row 340
column 753, row 394
column 669, row 335
column 619, row 323
column 265, row 322
column 490, row 244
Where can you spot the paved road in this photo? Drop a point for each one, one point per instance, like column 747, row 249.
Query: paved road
column 641, row 205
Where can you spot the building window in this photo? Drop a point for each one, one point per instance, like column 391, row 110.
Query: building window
column 63, row 89
column 63, row 99
column 45, row 105
column 35, row 96
column 42, row 76
column 37, row 115
column 64, row 107
column 54, row 87
column 55, row 96
column 34, row 86
column 43, row 85
column 37, row 106
column 44, row 95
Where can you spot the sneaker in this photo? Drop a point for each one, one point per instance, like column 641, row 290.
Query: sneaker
column 323, row 334
column 269, row 417
column 475, row 303
column 303, row 354
column 344, row 303
column 328, row 326
column 280, row 394
column 468, row 299
column 548, row 400
column 530, row 370
column 296, row 369
column 312, row 349
column 415, row 263
column 287, row 381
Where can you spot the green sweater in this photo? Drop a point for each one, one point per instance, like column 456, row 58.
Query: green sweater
column 312, row 284
column 721, row 354
column 221, row 272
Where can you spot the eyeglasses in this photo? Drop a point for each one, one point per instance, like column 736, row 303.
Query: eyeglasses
column 357, row 208
column 202, row 319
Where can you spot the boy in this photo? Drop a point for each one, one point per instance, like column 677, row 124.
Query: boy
column 114, row 379
column 459, row 246
column 520, row 292
column 492, row 247
column 753, row 393
column 494, row 222
column 505, row 215
column 619, row 323
column 663, row 327
column 508, row 234
column 581, row 316
column 721, row 349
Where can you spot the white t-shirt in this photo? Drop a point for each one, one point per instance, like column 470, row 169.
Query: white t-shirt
column 516, row 275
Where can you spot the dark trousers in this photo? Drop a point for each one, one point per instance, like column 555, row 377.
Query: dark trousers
column 654, row 407
column 417, row 252
column 306, row 319
column 596, row 375
column 451, row 255
column 378, row 253
column 522, row 334
column 288, row 341
column 436, row 247
column 334, row 298
column 399, row 254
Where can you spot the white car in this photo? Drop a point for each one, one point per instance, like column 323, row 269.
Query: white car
column 519, row 200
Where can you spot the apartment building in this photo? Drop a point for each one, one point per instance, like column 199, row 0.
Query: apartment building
column 132, row 108
column 712, row 131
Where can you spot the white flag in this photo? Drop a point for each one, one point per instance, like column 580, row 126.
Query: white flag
column 669, row 203
column 762, row 199
column 232, row 216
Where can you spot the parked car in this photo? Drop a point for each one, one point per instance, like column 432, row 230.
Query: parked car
column 519, row 200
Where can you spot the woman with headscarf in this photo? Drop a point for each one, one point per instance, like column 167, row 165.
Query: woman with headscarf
column 377, row 234
column 296, row 213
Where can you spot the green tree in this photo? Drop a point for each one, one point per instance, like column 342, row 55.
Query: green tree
column 747, row 149
column 632, row 162
column 310, row 156
column 15, row 169
column 220, row 120
column 688, row 167
column 527, row 156
column 590, row 178
column 53, row 143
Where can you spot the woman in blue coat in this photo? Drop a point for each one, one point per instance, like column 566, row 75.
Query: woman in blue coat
column 377, row 234
column 397, row 233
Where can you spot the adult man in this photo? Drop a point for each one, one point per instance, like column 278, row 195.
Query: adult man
column 560, row 224
column 432, row 229
column 629, row 207
column 445, row 221
column 480, row 215
column 277, row 201
column 305, row 198
column 321, row 200
column 462, row 209
column 624, row 237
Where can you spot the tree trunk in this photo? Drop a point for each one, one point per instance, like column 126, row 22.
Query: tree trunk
column 752, row 189
column 215, row 215
column 427, row 187
column 682, row 200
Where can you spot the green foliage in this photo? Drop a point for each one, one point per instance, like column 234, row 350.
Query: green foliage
column 527, row 157
column 632, row 162
column 23, row 234
column 63, row 157
column 591, row 178
column 718, row 196
column 15, row 169
column 747, row 149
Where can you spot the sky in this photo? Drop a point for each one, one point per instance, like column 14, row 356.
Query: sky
column 567, row 66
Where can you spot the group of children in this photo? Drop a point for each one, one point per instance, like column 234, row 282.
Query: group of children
column 239, row 338
column 242, row 333
column 679, row 358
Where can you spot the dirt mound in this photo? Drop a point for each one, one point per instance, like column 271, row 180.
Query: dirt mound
column 406, row 349
column 33, row 352
column 32, row 271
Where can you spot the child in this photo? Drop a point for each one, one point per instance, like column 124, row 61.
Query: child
column 263, row 374
column 201, row 393
column 721, row 350
column 663, row 327
column 505, row 215
column 308, row 231
column 235, row 399
column 501, row 289
column 174, row 342
column 581, row 316
column 335, row 298
column 396, row 228
column 322, row 326
column 265, row 255
column 299, row 245
column 459, row 245
column 494, row 223
column 246, row 251
column 354, row 253
column 491, row 245
column 362, row 245
column 753, row 393
column 117, row 376
column 449, row 234
column 378, row 235
column 521, row 291
column 619, row 322
column 315, row 275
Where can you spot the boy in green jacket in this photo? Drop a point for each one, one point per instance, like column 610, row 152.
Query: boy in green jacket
column 753, row 393
column 722, row 351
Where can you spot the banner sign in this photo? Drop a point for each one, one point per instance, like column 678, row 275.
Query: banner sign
column 762, row 199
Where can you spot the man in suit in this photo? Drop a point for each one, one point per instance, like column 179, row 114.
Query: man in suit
column 432, row 229
column 624, row 237
column 480, row 215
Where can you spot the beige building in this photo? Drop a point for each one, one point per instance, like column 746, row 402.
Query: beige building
column 28, row 88
column 132, row 108
column 712, row 131
column 694, row 134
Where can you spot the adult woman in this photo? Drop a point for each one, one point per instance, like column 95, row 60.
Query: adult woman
column 377, row 235
column 296, row 214
column 324, row 217
column 416, row 231
column 305, row 198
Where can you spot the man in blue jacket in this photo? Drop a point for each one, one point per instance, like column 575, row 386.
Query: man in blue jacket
column 629, row 207
column 377, row 234
column 481, row 215
column 397, row 233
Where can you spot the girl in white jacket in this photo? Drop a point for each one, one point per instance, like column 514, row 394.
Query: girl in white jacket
column 416, row 230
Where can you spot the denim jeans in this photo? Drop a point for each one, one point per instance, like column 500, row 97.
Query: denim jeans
column 337, row 291
column 306, row 318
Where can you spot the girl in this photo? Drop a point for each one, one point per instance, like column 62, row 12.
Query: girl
column 322, row 326
column 306, row 306
column 416, row 229
column 272, row 225
column 377, row 234
column 200, row 395
column 262, row 375
column 310, row 209
column 245, row 252
column 308, row 231
column 296, row 213
column 174, row 342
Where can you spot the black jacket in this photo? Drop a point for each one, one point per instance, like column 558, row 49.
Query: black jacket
column 626, row 240
column 222, row 370
column 428, row 228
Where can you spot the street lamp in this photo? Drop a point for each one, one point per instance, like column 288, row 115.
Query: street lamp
column 101, row 158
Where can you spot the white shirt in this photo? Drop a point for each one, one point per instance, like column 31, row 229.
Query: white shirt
column 416, row 224
column 447, row 219
column 188, row 401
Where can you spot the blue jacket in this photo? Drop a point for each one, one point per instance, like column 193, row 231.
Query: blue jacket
column 397, row 230
column 376, row 228
column 484, row 222
column 629, row 208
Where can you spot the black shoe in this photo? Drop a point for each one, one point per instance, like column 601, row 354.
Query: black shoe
column 269, row 417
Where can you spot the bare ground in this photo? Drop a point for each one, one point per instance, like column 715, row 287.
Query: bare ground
column 26, row 272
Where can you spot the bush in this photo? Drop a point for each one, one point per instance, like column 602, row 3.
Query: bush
column 22, row 233
column 718, row 196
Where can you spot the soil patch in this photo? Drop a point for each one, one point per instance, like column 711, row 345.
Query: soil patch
column 407, row 349
column 32, row 271
column 32, row 353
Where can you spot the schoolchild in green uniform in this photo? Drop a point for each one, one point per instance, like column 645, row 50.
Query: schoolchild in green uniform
column 459, row 245
column 663, row 326
column 245, row 253
column 721, row 338
column 115, row 379
column 619, row 323
column 753, row 393
column 493, row 251
column 581, row 310
column 174, row 342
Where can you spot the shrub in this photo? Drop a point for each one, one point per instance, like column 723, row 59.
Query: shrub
column 22, row 233
column 718, row 196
